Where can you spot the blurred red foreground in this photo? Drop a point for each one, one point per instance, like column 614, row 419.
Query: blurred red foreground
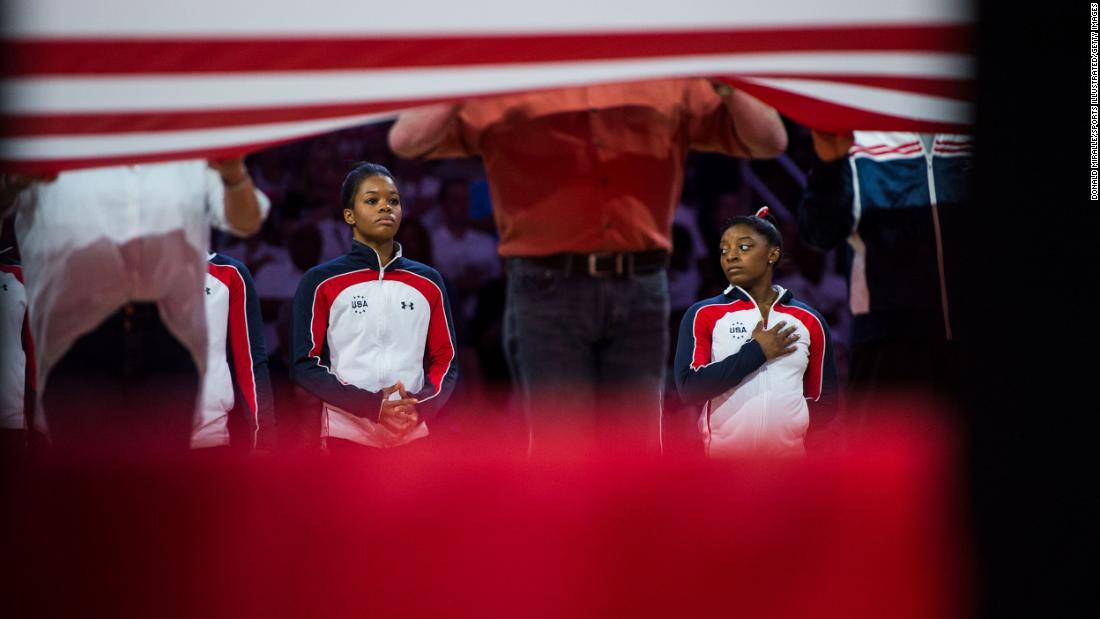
column 475, row 532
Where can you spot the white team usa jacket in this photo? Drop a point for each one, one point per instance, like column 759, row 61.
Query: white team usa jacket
column 16, row 350
column 751, row 405
column 360, row 327
column 236, row 384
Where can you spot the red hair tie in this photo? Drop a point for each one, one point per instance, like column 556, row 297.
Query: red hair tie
column 763, row 211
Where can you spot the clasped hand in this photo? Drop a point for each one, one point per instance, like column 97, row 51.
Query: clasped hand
column 399, row 415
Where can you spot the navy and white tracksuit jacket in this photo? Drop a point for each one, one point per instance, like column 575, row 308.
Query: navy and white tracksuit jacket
column 751, row 405
column 16, row 350
column 236, row 382
column 902, row 208
column 360, row 327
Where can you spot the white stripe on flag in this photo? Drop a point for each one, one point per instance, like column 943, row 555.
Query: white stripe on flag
column 879, row 100
column 150, row 93
column 165, row 142
column 354, row 17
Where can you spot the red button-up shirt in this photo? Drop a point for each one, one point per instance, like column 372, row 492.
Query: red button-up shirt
column 591, row 169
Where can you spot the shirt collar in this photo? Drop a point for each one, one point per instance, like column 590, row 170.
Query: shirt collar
column 366, row 252
column 737, row 292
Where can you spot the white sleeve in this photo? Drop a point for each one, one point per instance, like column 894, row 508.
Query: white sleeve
column 215, row 203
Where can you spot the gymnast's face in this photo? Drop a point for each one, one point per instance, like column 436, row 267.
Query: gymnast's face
column 746, row 256
column 376, row 210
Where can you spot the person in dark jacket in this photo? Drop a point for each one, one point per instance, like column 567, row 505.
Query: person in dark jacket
column 900, row 201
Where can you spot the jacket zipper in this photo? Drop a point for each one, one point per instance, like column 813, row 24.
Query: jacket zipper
column 382, row 366
column 939, row 240
column 760, row 422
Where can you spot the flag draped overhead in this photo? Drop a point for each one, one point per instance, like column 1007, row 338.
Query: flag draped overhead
column 112, row 81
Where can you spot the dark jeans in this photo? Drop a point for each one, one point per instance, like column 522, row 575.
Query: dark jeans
column 127, row 384
column 588, row 355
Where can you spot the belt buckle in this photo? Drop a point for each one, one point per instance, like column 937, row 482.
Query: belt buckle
column 595, row 272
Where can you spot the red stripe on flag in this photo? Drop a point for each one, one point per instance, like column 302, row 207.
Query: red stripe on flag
column 23, row 125
column 50, row 166
column 129, row 55
column 807, row 111
column 962, row 89
column 127, row 122
column 836, row 118
column 29, row 125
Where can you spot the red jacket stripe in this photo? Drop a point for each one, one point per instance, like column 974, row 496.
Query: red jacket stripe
column 239, row 341
column 702, row 328
column 31, row 379
column 323, row 296
column 440, row 348
column 15, row 270
column 812, row 381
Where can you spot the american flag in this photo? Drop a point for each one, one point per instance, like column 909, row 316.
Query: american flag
column 103, row 82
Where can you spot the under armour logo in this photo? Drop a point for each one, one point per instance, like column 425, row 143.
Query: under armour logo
column 208, row 291
column 5, row 287
column 407, row 305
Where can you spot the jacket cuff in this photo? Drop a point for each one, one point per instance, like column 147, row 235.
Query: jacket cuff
column 426, row 410
column 754, row 353
column 372, row 407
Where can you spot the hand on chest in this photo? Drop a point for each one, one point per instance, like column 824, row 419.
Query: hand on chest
column 734, row 330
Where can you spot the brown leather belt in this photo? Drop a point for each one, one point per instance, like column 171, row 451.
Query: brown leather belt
column 604, row 264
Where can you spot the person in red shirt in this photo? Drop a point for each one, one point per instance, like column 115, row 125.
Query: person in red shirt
column 584, row 182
